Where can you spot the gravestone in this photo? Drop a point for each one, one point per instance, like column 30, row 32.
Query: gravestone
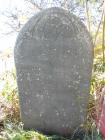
column 53, row 57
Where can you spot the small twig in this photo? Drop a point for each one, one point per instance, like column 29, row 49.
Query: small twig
column 98, row 28
column 103, row 36
column 87, row 13
column 34, row 4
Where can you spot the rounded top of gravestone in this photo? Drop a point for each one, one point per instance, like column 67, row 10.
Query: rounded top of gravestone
column 50, row 26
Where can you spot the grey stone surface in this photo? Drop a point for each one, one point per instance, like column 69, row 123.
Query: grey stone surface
column 53, row 57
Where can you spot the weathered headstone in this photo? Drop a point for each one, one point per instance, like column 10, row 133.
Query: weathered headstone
column 53, row 57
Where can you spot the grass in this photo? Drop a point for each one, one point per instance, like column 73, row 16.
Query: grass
column 16, row 132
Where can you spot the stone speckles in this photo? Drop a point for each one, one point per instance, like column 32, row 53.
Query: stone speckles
column 53, row 57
